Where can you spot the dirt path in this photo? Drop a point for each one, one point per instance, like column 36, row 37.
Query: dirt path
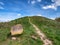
column 41, row 34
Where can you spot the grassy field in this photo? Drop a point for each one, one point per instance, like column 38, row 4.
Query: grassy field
column 24, row 39
column 50, row 27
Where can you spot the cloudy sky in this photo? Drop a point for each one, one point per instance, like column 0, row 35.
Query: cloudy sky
column 12, row 9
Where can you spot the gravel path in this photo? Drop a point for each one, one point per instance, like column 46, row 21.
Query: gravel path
column 41, row 34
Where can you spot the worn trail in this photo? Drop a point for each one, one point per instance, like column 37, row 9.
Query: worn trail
column 41, row 34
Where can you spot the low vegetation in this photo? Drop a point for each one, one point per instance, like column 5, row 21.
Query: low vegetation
column 23, row 39
column 50, row 27
column 58, row 19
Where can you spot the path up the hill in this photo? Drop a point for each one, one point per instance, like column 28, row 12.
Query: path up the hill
column 41, row 34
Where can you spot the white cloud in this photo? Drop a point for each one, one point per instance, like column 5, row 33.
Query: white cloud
column 39, row 0
column 39, row 15
column 1, row 7
column 49, row 6
column 8, row 16
column 53, row 0
column 1, row 3
column 18, row 14
column 53, row 5
column 33, row 2
column 56, row 2
column 52, row 18
column 5, row 19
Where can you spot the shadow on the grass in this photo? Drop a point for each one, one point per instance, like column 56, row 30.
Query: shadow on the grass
column 9, row 35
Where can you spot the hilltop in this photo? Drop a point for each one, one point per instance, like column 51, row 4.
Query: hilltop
column 50, row 28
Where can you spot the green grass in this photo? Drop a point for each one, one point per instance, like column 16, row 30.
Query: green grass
column 24, row 39
column 49, row 27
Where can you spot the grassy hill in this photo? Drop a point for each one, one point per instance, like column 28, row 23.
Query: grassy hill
column 49, row 27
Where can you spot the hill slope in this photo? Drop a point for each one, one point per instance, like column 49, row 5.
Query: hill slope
column 49, row 27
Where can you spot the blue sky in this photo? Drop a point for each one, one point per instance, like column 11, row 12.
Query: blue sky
column 13, row 9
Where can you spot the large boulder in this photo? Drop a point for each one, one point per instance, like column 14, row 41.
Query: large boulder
column 16, row 29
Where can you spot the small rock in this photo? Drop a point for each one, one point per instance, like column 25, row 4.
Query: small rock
column 13, row 38
column 34, row 37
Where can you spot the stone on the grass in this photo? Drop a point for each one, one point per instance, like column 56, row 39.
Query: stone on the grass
column 16, row 29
